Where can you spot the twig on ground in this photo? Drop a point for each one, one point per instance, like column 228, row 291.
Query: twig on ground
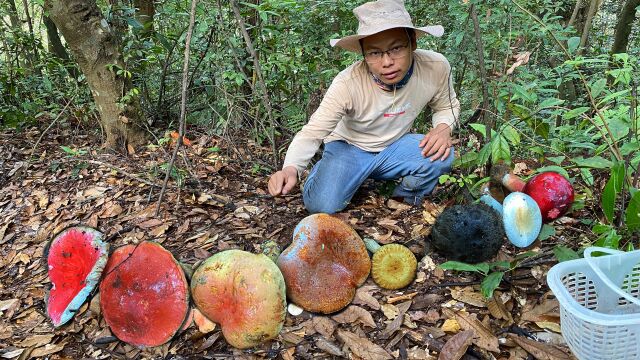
column 118, row 169
column 33, row 149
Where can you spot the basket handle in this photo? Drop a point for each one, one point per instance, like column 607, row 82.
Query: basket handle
column 605, row 278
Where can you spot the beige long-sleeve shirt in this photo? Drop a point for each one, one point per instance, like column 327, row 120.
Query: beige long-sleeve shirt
column 355, row 110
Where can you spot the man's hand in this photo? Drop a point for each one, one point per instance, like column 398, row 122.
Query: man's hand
column 283, row 181
column 437, row 143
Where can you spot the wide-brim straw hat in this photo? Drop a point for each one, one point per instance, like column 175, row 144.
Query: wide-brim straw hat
column 377, row 16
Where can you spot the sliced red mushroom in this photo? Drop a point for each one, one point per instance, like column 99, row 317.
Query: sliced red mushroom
column 244, row 293
column 144, row 294
column 324, row 265
column 75, row 258
column 553, row 193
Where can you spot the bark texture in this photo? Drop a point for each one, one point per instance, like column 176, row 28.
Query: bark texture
column 95, row 47
column 623, row 28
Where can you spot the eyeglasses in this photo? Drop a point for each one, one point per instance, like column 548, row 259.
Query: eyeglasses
column 395, row 53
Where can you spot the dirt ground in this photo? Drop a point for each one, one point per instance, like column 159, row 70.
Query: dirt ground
column 221, row 204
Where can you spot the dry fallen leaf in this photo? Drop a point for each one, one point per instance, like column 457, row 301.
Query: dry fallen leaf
column 468, row 296
column 497, row 308
column 390, row 224
column 457, row 346
column 355, row 314
column 484, row 338
column 451, row 326
column 111, row 209
column 148, row 224
column 36, row 341
column 362, row 347
column 364, row 297
column 324, row 326
column 540, row 350
column 328, row 347
column 390, row 311
column 47, row 350
column 397, row 322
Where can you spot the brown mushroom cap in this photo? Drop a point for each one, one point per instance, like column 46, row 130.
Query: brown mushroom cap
column 324, row 265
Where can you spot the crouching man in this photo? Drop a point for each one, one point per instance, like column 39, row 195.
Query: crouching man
column 367, row 113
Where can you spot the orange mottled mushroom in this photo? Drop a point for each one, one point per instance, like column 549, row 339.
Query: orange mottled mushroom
column 324, row 265
column 244, row 293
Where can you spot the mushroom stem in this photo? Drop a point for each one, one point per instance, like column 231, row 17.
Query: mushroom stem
column 501, row 173
column 490, row 200
column 271, row 249
column 371, row 245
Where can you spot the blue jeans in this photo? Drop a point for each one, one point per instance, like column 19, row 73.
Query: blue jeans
column 343, row 168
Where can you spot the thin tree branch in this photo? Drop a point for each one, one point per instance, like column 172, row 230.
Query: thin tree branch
column 483, row 72
column 183, row 104
column 263, row 87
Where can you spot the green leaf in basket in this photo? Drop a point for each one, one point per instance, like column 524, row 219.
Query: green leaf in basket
column 490, row 283
column 563, row 253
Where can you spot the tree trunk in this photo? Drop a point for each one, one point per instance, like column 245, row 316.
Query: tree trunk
column 623, row 29
column 96, row 50
column 16, row 28
column 13, row 15
column 54, row 44
column 591, row 13
column 144, row 15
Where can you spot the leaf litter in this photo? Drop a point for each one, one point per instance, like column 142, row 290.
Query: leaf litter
column 223, row 204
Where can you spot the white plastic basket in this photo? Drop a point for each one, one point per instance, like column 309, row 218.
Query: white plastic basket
column 600, row 304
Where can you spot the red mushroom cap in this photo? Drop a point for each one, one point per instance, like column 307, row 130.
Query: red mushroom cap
column 76, row 258
column 324, row 265
column 244, row 293
column 553, row 193
column 144, row 294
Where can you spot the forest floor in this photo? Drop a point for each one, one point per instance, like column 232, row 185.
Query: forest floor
column 223, row 204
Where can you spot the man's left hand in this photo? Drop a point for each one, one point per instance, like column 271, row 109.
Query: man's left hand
column 437, row 143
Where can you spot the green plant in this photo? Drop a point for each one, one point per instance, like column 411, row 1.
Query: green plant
column 493, row 272
column 73, row 152
column 177, row 174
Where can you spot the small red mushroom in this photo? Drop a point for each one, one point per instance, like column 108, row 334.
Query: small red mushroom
column 324, row 265
column 553, row 193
